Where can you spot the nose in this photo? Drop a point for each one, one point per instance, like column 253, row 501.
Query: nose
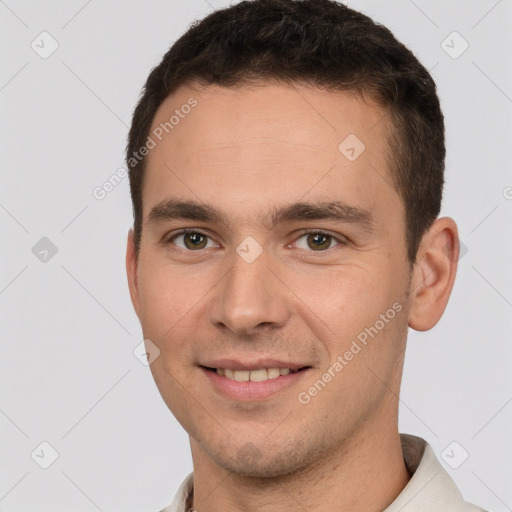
column 250, row 297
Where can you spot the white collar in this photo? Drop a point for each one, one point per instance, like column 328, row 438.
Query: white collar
column 430, row 488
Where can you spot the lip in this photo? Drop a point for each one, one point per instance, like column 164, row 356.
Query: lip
column 234, row 364
column 252, row 391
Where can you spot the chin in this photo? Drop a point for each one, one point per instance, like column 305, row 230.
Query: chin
column 256, row 461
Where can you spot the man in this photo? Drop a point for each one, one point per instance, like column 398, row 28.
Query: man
column 286, row 170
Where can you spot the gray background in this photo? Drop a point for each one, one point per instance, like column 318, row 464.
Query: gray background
column 68, row 373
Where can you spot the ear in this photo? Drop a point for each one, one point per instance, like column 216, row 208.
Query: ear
column 131, row 271
column 433, row 274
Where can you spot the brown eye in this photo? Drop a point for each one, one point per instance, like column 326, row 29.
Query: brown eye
column 191, row 241
column 195, row 241
column 319, row 241
column 316, row 241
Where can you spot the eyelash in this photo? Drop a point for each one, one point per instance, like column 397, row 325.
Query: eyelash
column 185, row 231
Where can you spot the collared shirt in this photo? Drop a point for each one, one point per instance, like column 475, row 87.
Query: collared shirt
column 430, row 488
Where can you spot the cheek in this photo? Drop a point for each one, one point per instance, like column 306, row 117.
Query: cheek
column 353, row 303
column 166, row 296
column 173, row 309
column 346, row 295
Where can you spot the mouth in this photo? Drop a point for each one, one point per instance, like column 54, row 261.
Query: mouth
column 256, row 375
column 255, row 384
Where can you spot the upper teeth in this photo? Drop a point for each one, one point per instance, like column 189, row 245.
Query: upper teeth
column 259, row 375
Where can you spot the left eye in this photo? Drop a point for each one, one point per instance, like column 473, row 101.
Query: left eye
column 317, row 241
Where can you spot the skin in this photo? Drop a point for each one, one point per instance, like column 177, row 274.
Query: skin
column 244, row 151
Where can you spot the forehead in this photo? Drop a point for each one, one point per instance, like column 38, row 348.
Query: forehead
column 251, row 146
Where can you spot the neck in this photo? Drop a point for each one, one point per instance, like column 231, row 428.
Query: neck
column 367, row 472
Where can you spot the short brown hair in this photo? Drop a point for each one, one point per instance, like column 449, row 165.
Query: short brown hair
column 320, row 43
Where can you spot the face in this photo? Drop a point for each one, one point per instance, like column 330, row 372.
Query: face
column 293, row 257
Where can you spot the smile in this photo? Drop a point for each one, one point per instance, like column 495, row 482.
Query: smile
column 258, row 375
column 256, row 384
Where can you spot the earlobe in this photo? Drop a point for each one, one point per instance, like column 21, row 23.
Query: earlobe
column 434, row 274
column 131, row 271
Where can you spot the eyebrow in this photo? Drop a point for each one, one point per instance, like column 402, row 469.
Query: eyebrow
column 187, row 210
column 339, row 211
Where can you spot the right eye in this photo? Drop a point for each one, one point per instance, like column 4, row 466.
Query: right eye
column 191, row 240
